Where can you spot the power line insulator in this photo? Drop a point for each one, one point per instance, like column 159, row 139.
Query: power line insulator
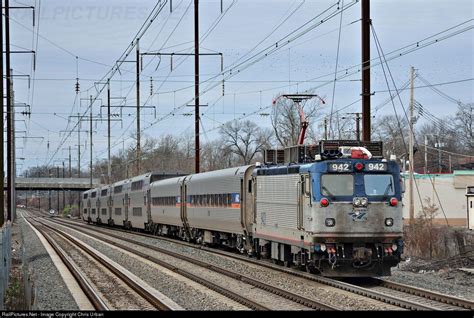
column 77, row 86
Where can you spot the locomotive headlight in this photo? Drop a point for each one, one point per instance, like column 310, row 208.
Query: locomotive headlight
column 357, row 202
column 394, row 247
column 323, row 247
column 388, row 221
column 330, row 222
column 364, row 201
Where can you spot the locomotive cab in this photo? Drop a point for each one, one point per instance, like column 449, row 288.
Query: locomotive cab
column 354, row 214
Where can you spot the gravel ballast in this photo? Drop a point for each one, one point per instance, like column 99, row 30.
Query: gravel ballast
column 193, row 296
column 49, row 290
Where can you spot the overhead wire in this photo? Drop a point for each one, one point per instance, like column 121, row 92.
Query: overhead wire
column 331, row 130
column 378, row 44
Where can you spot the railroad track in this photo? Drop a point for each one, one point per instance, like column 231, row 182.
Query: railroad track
column 304, row 301
column 400, row 295
column 449, row 302
column 130, row 287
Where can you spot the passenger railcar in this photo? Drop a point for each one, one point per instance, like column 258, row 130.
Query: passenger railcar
column 216, row 204
column 120, row 202
column 166, row 207
column 104, row 206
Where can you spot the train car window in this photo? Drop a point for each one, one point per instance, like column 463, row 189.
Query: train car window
column 85, row 211
column 85, row 196
column 250, row 186
column 118, row 211
column 137, row 185
column 93, row 194
column 307, row 186
column 117, row 189
column 379, row 184
column 93, row 211
column 104, row 211
column 103, row 193
column 337, row 185
column 137, row 211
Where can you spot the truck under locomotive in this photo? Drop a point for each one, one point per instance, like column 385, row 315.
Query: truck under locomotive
column 339, row 215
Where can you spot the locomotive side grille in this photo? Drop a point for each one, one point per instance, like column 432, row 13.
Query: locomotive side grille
column 277, row 200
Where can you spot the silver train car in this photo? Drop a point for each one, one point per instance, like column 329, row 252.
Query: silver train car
column 86, row 205
column 337, row 217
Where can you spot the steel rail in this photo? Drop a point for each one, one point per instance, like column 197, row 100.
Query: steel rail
column 246, row 279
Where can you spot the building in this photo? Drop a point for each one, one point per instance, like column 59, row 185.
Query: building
column 449, row 188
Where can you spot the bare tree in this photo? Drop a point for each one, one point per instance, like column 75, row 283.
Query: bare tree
column 393, row 133
column 215, row 155
column 464, row 121
column 244, row 139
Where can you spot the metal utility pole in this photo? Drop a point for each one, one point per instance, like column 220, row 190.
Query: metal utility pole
column 70, row 170
column 411, row 142
column 426, row 154
column 10, row 120
column 196, row 86
column 325, row 129
column 90, row 136
column 2, row 168
column 64, row 193
column 357, row 119
column 365, row 4
column 358, row 126
column 78, row 147
column 439, row 154
column 138, row 107
column 109, row 169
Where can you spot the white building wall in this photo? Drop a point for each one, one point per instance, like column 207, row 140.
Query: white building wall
column 451, row 190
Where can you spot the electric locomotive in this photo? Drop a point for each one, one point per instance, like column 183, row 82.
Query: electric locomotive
column 340, row 215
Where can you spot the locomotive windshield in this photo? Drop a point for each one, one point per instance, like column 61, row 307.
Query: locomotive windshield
column 381, row 184
column 337, row 184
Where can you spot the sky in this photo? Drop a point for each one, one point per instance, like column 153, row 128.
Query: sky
column 283, row 45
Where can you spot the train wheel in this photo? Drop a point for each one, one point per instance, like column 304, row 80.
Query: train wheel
column 310, row 269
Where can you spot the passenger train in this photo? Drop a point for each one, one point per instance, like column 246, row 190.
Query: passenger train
column 339, row 215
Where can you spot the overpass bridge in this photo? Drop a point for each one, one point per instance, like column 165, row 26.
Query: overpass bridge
column 43, row 184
